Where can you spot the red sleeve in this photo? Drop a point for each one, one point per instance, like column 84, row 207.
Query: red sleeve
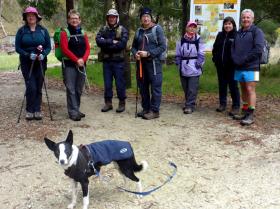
column 64, row 47
column 86, row 55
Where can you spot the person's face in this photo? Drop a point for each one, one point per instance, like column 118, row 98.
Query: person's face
column 192, row 29
column 74, row 20
column 228, row 26
column 112, row 20
column 146, row 20
column 246, row 20
column 31, row 18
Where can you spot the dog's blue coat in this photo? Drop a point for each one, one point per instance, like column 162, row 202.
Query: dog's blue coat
column 107, row 151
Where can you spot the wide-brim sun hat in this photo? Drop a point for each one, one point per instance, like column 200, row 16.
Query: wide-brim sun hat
column 31, row 10
column 191, row 23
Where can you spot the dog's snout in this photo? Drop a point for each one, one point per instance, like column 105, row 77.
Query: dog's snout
column 62, row 162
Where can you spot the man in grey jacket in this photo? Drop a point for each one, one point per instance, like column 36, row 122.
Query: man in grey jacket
column 148, row 47
column 246, row 53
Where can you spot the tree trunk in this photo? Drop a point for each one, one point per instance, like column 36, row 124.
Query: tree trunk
column 186, row 14
column 69, row 6
column 107, row 6
column 123, row 7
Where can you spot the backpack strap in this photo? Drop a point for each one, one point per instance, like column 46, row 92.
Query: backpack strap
column 154, row 32
column 195, row 42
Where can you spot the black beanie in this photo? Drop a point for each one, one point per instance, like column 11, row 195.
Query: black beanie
column 146, row 11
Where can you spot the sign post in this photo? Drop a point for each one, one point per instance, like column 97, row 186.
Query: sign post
column 209, row 14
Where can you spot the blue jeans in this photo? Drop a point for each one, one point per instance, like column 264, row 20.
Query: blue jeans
column 33, row 83
column 151, row 85
column 114, row 69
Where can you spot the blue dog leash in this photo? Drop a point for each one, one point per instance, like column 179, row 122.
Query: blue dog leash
column 156, row 188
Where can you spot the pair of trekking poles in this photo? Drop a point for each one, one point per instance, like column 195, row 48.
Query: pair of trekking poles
column 39, row 49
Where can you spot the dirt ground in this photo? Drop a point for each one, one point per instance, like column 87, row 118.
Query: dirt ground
column 220, row 164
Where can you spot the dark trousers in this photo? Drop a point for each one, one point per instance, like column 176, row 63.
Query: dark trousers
column 190, row 86
column 114, row 69
column 225, row 80
column 33, row 83
column 74, row 82
column 151, row 85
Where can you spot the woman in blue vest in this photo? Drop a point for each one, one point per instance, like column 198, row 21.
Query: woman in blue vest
column 33, row 45
column 190, row 57
column 76, row 50
column 225, row 67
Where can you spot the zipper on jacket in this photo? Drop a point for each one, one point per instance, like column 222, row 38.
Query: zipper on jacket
column 224, row 49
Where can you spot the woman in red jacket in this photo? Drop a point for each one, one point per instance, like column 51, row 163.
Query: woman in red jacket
column 76, row 49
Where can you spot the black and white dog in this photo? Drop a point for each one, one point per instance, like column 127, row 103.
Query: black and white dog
column 79, row 163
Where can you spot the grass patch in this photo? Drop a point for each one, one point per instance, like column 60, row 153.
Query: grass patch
column 268, row 85
column 11, row 62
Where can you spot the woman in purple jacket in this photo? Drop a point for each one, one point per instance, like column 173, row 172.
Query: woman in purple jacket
column 190, row 57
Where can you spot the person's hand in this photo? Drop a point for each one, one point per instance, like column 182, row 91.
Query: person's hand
column 80, row 62
column 115, row 41
column 197, row 65
column 33, row 56
column 143, row 53
column 41, row 57
column 137, row 56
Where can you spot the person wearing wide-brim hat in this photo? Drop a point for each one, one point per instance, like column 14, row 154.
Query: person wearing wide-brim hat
column 33, row 45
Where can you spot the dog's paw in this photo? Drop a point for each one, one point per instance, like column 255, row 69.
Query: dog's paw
column 71, row 206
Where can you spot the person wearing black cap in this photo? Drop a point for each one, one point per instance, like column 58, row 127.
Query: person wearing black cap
column 33, row 45
column 112, row 39
column 149, row 44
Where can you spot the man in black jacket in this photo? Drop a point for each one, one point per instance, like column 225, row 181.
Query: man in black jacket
column 112, row 40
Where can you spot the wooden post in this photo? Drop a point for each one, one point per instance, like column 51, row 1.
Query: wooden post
column 1, row 24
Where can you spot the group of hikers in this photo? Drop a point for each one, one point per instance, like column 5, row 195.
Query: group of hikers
column 236, row 55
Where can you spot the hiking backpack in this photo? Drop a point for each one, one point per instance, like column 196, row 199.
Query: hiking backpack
column 163, row 55
column 264, row 58
column 56, row 37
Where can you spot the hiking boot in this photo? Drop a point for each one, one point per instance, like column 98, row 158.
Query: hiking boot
column 240, row 116
column 29, row 116
column 38, row 116
column 188, row 110
column 142, row 113
column 234, row 111
column 108, row 106
column 221, row 108
column 82, row 115
column 75, row 117
column 249, row 119
column 121, row 106
column 151, row 115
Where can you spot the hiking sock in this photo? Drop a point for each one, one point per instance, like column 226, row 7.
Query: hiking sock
column 251, row 109
column 245, row 106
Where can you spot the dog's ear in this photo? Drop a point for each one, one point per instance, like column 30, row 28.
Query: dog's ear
column 69, row 138
column 50, row 144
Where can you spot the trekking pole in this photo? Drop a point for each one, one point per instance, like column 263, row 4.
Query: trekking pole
column 27, row 84
column 44, row 83
column 140, row 78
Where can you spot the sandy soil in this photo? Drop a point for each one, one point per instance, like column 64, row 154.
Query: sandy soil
column 220, row 164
